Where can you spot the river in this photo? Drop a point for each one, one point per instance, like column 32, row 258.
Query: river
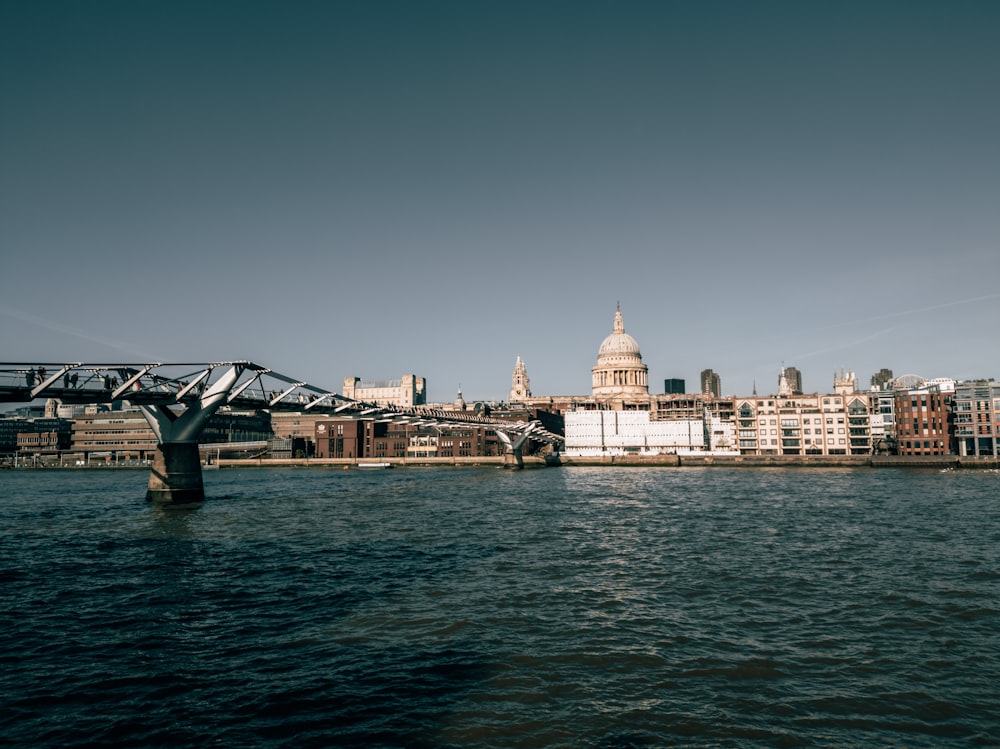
column 481, row 607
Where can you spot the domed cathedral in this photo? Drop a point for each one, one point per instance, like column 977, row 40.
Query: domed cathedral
column 620, row 373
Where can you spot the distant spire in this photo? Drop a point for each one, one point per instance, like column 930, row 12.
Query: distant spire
column 755, row 386
column 619, row 323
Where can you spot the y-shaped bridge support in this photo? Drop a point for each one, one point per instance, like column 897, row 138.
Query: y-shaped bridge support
column 176, row 475
column 515, row 445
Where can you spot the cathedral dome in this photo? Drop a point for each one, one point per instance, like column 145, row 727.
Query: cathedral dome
column 620, row 372
column 619, row 343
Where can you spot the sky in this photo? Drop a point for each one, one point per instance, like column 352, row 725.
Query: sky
column 369, row 189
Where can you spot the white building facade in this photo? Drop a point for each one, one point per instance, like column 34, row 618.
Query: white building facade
column 607, row 432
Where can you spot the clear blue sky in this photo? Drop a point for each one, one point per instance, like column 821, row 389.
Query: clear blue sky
column 375, row 188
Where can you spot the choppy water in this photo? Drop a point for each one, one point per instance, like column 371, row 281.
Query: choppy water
column 578, row 607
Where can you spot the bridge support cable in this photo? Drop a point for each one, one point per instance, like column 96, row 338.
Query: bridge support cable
column 176, row 474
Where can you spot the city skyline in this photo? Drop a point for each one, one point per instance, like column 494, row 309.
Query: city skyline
column 370, row 190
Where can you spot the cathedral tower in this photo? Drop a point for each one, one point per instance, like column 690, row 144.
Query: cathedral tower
column 520, row 388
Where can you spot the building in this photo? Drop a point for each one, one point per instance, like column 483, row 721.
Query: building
column 794, row 378
column 127, row 434
column 615, row 433
column 674, row 386
column 520, row 386
column 804, row 425
column 976, row 411
column 25, row 434
column 299, row 428
column 883, row 421
column 845, row 384
column 43, row 442
column 882, row 380
column 923, row 423
column 606, row 433
column 690, row 406
column 711, row 383
column 408, row 391
column 363, row 439
column 620, row 375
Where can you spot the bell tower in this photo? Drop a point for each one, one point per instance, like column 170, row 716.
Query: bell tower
column 520, row 388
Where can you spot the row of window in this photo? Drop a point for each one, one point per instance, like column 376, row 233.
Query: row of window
column 789, row 442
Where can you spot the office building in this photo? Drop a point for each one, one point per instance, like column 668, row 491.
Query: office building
column 711, row 383
column 674, row 386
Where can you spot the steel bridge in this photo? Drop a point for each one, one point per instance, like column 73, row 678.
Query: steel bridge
column 177, row 399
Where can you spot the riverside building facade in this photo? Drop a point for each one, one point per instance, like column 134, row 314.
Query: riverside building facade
column 812, row 424
column 976, row 409
column 354, row 439
column 408, row 391
column 923, row 421
column 127, row 434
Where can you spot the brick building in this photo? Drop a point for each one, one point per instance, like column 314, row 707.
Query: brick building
column 355, row 439
column 923, row 421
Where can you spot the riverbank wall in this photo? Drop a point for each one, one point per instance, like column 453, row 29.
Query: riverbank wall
column 668, row 461
column 789, row 461
column 938, row 462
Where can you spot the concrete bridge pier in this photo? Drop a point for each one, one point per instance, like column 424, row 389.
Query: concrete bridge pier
column 176, row 478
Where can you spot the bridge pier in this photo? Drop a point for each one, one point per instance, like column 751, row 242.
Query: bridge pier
column 175, row 477
column 514, row 457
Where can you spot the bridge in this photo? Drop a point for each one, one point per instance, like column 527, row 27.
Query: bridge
column 177, row 400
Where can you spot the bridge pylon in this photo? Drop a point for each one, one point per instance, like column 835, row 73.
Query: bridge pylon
column 175, row 478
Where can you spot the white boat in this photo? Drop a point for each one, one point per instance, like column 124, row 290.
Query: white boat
column 374, row 465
